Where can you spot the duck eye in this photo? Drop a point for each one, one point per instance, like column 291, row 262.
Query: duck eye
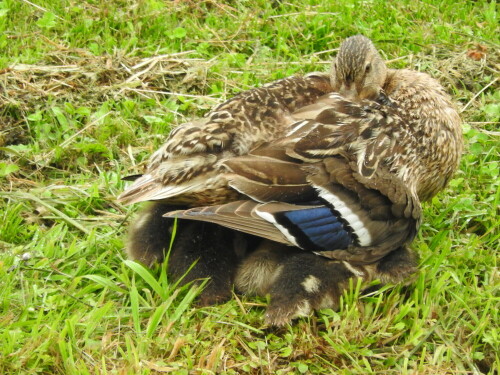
column 368, row 68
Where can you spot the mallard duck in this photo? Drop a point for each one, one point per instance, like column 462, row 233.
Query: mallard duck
column 339, row 171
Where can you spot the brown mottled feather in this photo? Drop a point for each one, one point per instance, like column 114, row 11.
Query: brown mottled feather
column 388, row 210
column 185, row 170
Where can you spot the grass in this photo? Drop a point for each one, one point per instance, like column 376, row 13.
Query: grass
column 88, row 90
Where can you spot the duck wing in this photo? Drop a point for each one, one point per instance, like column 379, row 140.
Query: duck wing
column 342, row 215
column 310, row 190
column 188, row 165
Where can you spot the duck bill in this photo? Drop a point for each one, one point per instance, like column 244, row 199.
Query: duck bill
column 371, row 92
column 349, row 92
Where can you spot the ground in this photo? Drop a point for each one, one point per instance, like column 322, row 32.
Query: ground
column 89, row 89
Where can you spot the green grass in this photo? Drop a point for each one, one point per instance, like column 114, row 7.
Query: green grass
column 81, row 113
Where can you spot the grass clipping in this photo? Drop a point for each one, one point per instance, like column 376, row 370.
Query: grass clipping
column 85, row 80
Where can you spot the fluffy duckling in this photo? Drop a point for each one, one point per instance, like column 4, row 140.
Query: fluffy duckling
column 300, row 282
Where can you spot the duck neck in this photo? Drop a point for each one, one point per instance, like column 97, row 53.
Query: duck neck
column 431, row 138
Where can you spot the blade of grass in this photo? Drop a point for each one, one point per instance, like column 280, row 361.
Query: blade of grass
column 134, row 304
column 157, row 316
column 146, row 275
column 105, row 283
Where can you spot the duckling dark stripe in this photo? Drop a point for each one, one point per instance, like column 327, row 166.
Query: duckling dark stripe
column 315, row 229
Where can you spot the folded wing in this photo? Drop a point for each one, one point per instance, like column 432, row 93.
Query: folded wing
column 314, row 189
column 186, row 169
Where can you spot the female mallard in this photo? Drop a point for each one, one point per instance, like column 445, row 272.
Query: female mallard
column 340, row 174
column 186, row 170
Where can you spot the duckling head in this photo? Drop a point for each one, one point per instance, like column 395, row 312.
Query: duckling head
column 358, row 72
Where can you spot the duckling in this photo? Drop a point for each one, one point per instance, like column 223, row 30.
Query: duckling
column 341, row 175
column 300, row 282
column 200, row 251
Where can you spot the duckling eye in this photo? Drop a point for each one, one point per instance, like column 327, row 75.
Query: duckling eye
column 368, row 68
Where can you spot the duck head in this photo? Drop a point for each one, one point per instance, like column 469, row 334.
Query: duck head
column 358, row 72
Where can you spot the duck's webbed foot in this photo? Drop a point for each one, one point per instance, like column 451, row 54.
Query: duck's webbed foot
column 299, row 282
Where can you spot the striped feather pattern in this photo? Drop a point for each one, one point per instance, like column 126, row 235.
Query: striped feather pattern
column 194, row 151
column 321, row 201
